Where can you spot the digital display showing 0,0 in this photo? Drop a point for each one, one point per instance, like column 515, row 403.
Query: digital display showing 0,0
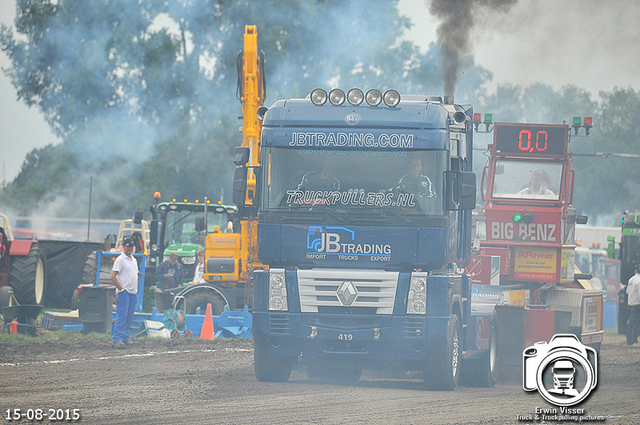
column 530, row 139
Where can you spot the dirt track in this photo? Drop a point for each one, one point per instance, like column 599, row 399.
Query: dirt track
column 190, row 381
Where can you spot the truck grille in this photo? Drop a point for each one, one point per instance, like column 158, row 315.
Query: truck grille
column 375, row 290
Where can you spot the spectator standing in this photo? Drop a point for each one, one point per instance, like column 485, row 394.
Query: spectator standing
column 198, row 275
column 124, row 276
column 633, row 292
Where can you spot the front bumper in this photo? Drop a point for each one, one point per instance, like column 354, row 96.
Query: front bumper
column 366, row 339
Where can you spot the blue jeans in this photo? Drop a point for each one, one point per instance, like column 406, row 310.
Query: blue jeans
column 125, row 308
column 633, row 327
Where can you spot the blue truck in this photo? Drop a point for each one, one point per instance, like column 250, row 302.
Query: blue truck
column 364, row 205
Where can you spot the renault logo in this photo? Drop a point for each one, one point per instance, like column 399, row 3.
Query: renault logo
column 347, row 293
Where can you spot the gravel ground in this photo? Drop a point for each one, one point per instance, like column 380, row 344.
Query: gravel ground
column 193, row 381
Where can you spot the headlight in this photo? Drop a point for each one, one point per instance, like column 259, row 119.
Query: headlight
column 355, row 97
column 417, row 298
column 336, row 97
column 319, row 97
column 373, row 97
column 391, row 98
column 188, row 260
column 277, row 290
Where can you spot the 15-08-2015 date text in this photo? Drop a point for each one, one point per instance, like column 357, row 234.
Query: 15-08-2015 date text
column 42, row 414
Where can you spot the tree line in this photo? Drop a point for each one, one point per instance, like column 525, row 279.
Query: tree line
column 143, row 95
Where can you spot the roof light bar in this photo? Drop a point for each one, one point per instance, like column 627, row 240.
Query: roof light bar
column 391, row 98
column 355, row 97
column 373, row 97
column 336, row 97
column 319, row 97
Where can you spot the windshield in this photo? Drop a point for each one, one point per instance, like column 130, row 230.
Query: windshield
column 527, row 179
column 181, row 226
column 398, row 182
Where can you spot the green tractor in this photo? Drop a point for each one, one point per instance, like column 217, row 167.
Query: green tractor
column 182, row 227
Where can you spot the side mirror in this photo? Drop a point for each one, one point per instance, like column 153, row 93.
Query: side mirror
column 241, row 155
column 200, row 227
column 240, row 186
column 137, row 217
column 459, row 190
column 467, row 190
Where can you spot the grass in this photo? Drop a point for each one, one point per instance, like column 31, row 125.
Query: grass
column 47, row 336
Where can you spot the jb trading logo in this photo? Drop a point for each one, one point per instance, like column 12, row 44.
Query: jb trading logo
column 564, row 371
column 340, row 241
column 322, row 241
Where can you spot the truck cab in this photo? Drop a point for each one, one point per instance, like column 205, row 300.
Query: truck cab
column 364, row 208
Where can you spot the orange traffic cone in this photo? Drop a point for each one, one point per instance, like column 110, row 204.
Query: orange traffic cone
column 207, row 326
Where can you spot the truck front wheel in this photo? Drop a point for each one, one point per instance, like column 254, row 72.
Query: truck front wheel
column 26, row 277
column 269, row 368
column 442, row 369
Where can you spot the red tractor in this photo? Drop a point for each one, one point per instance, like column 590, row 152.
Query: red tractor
column 22, row 278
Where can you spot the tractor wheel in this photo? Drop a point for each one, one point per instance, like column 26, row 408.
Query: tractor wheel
column 6, row 296
column 26, row 277
column 442, row 371
column 201, row 298
column 89, row 270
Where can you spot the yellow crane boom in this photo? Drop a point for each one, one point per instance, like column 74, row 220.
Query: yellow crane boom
column 251, row 92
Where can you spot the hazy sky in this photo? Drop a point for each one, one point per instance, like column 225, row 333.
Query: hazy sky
column 593, row 44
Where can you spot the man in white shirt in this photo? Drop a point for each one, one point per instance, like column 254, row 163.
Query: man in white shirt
column 198, row 275
column 633, row 301
column 124, row 276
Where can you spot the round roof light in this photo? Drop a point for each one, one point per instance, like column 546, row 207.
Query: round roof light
column 336, row 97
column 373, row 97
column 319, row 97
column 391, row 98
column 355, row 97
